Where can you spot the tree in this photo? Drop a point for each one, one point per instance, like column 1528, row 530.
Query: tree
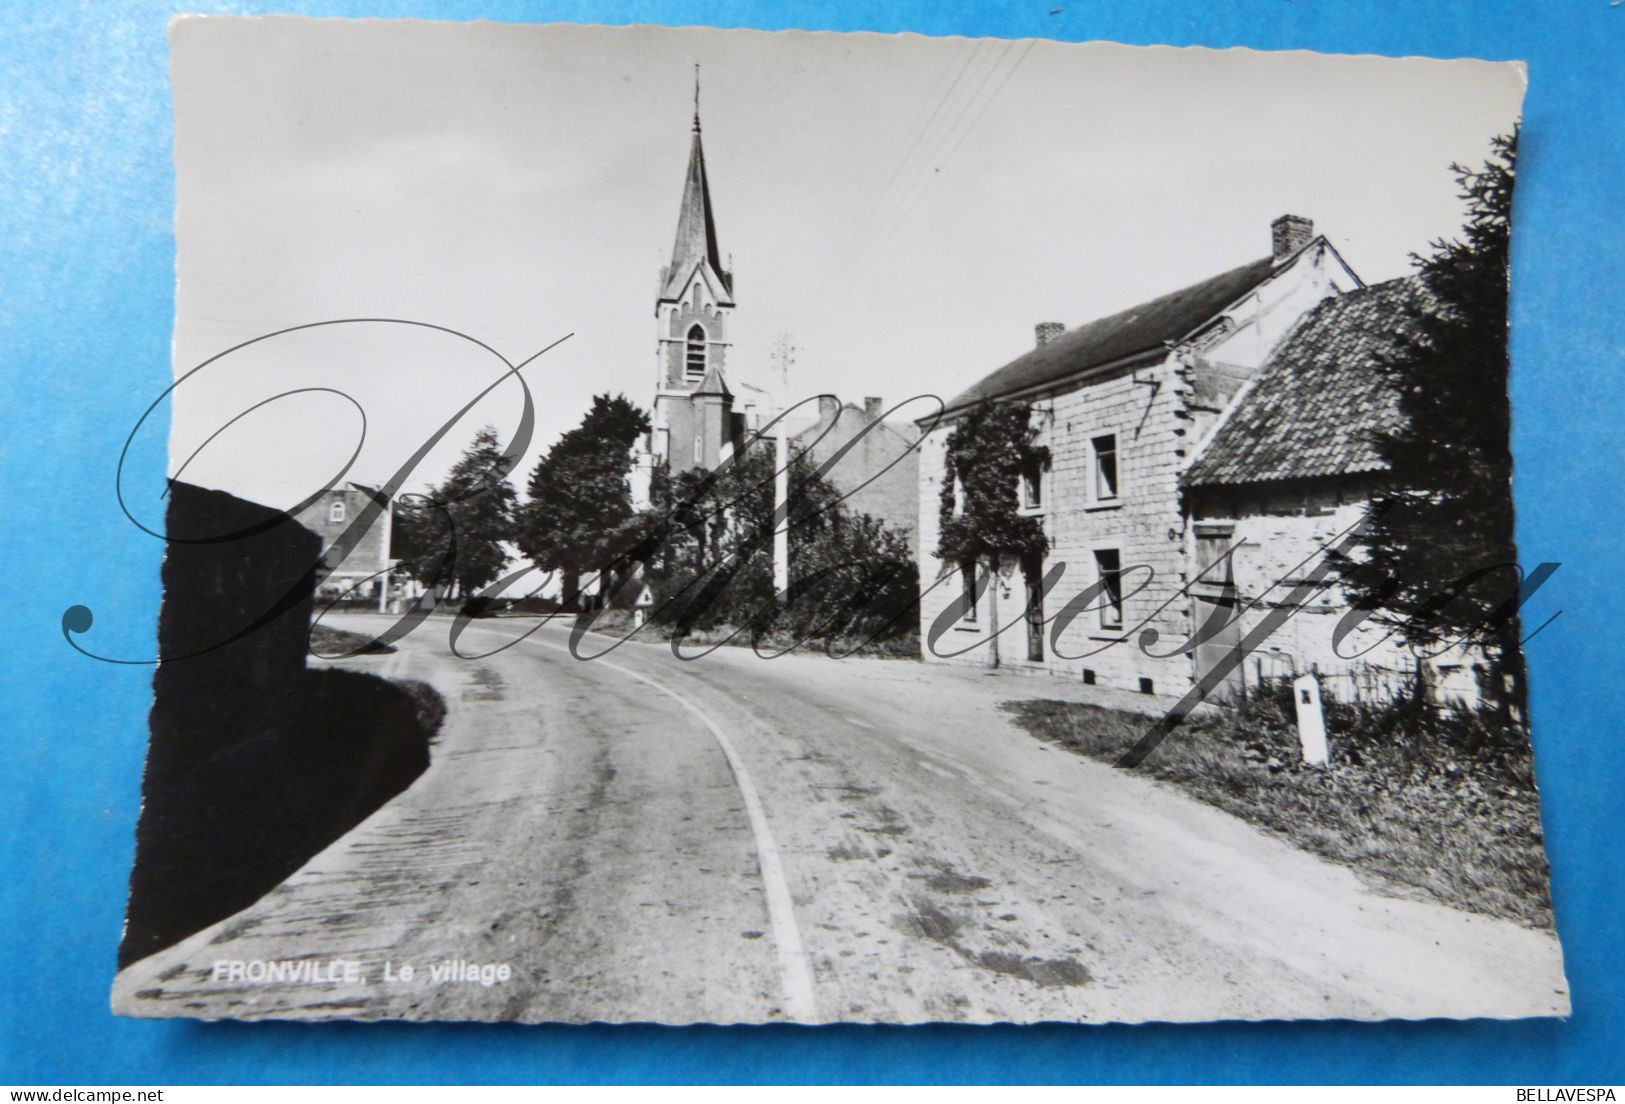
column 980, row 505
column 1448, row 514
column 452, row 536
column 850, row 574
column 580, row 506
column 416, row 541
column 709, row 543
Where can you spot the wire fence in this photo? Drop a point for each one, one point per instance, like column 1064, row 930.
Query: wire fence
column 1359, row 685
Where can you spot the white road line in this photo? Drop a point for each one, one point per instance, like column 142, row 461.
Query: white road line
column 795, row 972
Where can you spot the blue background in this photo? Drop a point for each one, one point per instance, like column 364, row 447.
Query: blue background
column 86, row 201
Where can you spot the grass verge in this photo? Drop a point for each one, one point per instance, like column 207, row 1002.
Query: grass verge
column 618, row 623
column 1460, row 831
column 328, row 641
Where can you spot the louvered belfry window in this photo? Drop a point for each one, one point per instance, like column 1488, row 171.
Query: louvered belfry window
column 694, row 369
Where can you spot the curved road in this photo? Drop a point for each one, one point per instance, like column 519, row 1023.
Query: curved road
column 638, row 838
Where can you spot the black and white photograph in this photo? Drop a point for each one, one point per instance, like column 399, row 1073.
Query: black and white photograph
column 700, row 526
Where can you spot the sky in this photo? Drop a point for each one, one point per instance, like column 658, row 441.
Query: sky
column 902, row 209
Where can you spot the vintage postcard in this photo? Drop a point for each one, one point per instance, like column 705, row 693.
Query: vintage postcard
column 699, row 526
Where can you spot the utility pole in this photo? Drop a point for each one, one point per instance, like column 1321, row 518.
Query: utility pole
column 781, row 530
column 784, row 352
column 389, row 534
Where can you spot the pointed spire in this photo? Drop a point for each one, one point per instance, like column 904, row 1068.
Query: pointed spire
column 696, row 226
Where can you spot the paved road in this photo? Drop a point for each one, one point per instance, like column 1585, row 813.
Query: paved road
column 642, row 839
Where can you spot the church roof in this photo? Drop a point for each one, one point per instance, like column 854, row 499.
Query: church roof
column 696, row 228
column 1149, row 326
column 713, row 384
column 1315, row 407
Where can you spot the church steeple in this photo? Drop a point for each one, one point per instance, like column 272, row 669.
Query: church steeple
column 696, row 224
column 694, row 421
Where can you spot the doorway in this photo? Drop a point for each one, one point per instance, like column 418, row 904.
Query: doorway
column 1032, row 578
column 1216, row 614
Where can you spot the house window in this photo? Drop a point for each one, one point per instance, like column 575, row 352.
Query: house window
column 694, row 368
column 335, row 512
column 1104, row 450
column 1215, row 555
column 1032, row 484
column 959, row 496
column 967, row 584
column 1109, row 569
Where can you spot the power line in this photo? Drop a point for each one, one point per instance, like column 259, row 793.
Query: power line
column 924, row 182
column 924, row 172
column 855, row 238
column 859, row 260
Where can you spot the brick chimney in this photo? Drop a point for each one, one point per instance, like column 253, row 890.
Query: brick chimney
column 1288, row 234
column 871, row 407
column 829, row 408
column 1048, row 331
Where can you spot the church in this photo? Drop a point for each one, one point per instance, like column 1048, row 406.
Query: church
column 698, row 419
column 695, row 422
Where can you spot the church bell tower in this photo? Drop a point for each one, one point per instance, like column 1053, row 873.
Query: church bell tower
column 693, row 407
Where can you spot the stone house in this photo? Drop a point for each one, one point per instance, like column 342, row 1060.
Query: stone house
column 879, row 472
column 1120, row 404
column 1290, row 467
column 355, row 564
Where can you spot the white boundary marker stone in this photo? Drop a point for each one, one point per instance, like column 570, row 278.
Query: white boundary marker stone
column 1311, row 720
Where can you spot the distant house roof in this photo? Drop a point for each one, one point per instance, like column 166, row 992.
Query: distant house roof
column 847, row 416
column 1149, row 326
column 1315, row 405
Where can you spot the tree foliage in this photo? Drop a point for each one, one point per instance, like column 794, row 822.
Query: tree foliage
column 1448, row 514
column 980, row 504
column 711, row 535
column 452, row 536
column 580, row 503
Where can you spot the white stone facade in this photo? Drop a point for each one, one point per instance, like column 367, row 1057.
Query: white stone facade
column 1151, row 410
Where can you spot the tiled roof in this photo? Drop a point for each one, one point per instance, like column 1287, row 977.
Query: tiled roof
column 804, row 434
column 1147, row 326
column 1314, row 406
